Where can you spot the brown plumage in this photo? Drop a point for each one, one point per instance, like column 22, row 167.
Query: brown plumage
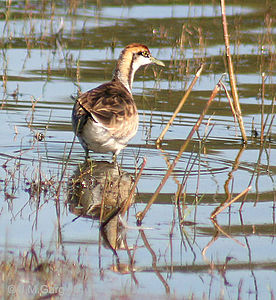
column 106, row 118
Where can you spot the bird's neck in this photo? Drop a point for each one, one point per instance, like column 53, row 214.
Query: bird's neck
column 125, row 70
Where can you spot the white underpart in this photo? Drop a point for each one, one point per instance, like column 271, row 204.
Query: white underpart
column 96, row 137
column 99, row 139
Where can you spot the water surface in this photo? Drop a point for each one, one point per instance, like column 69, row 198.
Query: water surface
column 52, row 49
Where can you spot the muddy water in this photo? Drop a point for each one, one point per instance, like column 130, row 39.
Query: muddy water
column 52, row 49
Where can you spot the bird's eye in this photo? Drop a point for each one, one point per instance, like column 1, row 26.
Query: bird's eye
column 144, row 53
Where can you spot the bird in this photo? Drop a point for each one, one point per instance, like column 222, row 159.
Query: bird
column 105, row 118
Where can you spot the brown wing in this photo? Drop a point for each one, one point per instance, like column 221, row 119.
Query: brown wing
column 110, row 104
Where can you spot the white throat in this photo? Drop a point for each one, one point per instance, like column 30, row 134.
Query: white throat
column 126, row 68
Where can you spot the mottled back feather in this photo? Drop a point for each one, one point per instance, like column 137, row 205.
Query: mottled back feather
column 109, row 104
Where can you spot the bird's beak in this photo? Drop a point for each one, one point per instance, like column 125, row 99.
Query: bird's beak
column 156, row 61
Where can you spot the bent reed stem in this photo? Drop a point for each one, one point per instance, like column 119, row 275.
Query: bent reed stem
column 181, row 103
column 140, row 215
column 227, row 204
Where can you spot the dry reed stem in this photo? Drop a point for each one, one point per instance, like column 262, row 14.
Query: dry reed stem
column 231, row 73
column 214, row 214
column 140, row 215
column 181, row 103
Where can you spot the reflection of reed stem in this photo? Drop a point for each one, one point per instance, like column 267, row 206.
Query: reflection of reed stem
column 58, row 190
column 129, row 199
column 181, row 103
column 230, row 175
column 231, row 73
column 131, row 262
column 216, row 235
column 106, row 182
column 140, row 215
column 154, row 261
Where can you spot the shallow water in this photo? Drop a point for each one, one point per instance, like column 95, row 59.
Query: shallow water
column 187, row 257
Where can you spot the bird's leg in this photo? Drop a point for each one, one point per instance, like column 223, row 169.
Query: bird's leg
column 114, row 158
column 86, row 154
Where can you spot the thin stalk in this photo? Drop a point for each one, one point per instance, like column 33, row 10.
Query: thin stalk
column 181, row 103
column 266, row 119
column 230, row 102
column 231, row 73
column 262, row 108
column 140, row 215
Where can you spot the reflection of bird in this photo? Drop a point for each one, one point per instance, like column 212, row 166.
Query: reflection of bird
column 105, row 118
column 100, row 189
